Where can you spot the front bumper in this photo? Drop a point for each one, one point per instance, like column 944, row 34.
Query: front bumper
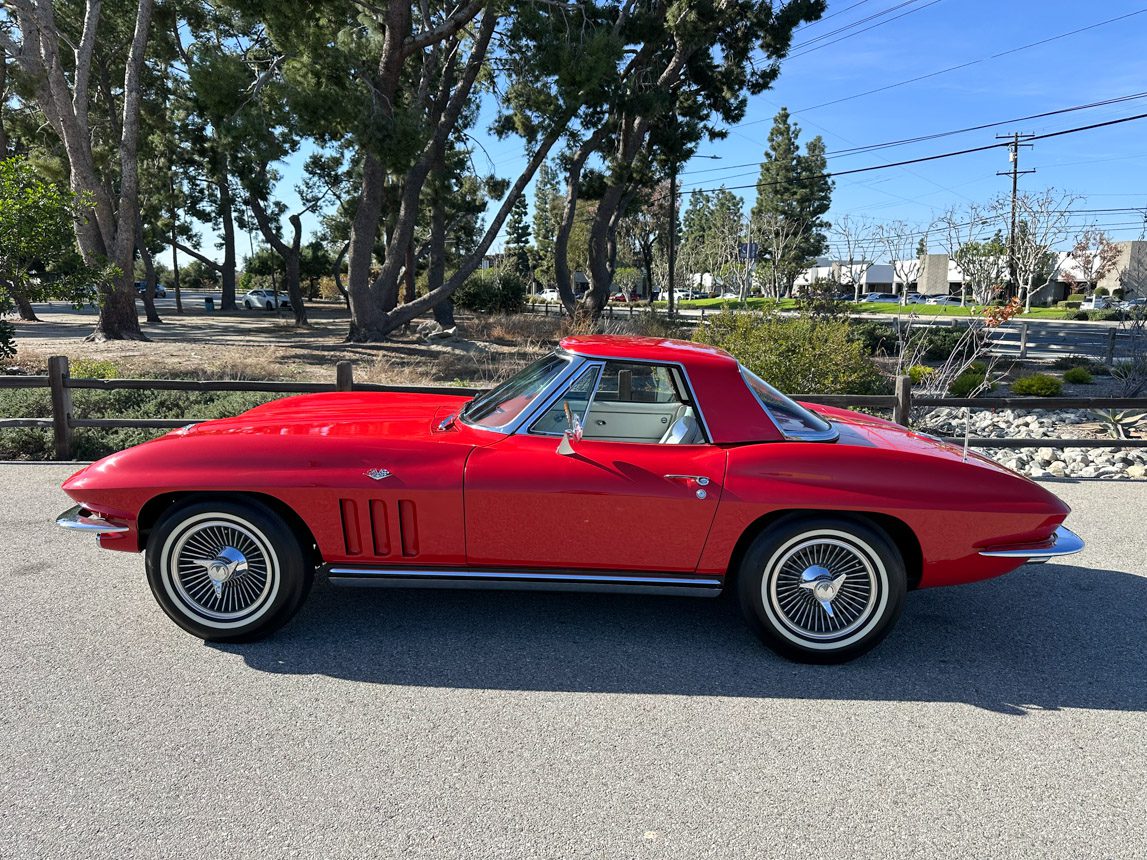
column 81, row 519
column 1063, row 542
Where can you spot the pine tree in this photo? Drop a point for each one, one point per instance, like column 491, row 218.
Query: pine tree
column 793, row 194
column 518, row 239
column 547, row 212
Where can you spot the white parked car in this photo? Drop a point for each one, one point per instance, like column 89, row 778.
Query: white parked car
column 550, row 295
column 265, row 299
column 1096, row 303
column 951, row 301
column 882, row 298
column 915, row 299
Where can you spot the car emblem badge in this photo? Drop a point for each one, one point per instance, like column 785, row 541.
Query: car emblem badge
column 378, row 474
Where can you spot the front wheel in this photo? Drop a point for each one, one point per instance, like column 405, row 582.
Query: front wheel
column 822, row 590
column 227, row 570
column 247, row 304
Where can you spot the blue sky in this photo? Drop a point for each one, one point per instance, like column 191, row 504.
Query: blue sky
column 1108, row 166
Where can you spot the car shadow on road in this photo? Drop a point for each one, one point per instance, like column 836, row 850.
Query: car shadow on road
column 1043, row 638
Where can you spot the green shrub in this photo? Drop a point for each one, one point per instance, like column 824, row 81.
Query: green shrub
column 802, row 355
column 7, row 339
column 939, row 343
column 1118, row 293
column 1067, row 362
column 1037, row 385
column 1076, row 297
column 1070, row 305
column 875, row 338
column 1078, row 376
column 1101, row 291
column 1080, row 315
column 920, row 372
column 92, row 368
column 34, row 444
column 966, row 383
column 1112, row 315
column 492, row 291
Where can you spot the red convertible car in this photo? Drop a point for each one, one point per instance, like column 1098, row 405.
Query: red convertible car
column 819, row 519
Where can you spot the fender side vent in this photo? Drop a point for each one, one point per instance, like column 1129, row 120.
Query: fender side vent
column 379, row 527
column 408, row 527
column 351, row 538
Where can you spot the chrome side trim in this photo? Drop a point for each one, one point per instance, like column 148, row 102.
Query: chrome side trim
column 397, row 577
column 1063, row 542
column 81, row 519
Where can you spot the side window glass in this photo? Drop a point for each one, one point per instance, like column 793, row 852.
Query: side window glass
column 624, row 382
column 553, row 421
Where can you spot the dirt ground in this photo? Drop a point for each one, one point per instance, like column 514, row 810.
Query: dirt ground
column 253, row 345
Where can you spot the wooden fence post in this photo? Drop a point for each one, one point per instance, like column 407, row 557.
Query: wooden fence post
column 61, row 406
column 1023, row 340
column 344, row 376
column 903, row 407
column 1110, row 359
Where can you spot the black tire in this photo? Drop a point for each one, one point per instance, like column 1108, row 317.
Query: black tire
column 254, row 573
column 247, row 304
column 270, row 306
column 796, row 567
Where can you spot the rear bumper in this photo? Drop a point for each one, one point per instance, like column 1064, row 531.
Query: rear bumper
column 81, row 519
column 1063, row 542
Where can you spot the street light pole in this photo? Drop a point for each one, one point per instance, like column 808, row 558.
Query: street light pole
column 672, row 229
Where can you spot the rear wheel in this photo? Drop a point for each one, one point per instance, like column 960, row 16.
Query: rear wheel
column 227, row 570
column 822, row 590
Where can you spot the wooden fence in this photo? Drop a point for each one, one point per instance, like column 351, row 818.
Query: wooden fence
column 63, row 423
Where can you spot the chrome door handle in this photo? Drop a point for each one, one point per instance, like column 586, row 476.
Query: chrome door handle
column 699, row 480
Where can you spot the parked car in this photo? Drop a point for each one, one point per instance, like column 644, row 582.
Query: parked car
column 1131, row 304
column 883, row 298
column 1095, row 303
column 266, row 299
column 950, row 301
column 160, row 290
column 915, row 299
column 819, row 518
column 549, row 296
column 629, row 297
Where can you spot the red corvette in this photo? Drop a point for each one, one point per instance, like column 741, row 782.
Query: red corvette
column 820, row 519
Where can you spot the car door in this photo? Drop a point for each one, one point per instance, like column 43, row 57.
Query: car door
column 614, row 503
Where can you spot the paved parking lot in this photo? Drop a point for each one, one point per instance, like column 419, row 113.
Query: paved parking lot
column 1005, row 719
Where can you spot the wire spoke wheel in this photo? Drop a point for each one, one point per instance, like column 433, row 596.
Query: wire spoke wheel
column 823, row 587
column 220, row 569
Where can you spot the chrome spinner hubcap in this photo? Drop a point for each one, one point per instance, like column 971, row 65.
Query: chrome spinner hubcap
column 823, row 587
column 221, row 569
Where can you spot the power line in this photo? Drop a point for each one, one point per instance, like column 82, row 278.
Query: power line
column 873, row 147
column 968, row 63
column 833, row 15
column 849, row 35
column 942, row 155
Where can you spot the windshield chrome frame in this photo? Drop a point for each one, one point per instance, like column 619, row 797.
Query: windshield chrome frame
column 555, row 384
column 582, row 361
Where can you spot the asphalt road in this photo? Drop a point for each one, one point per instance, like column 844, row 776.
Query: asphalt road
column 1004, row 719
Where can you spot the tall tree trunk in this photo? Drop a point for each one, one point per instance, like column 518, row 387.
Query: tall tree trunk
column 366, row 318
column 149, row 274
column 562, row 271
column 175, row 266
column 3, row 102
column 338, row 273
column 436, row 268
column 118, row 318
column 291, row 254
column 23, row 306
column 227, row 218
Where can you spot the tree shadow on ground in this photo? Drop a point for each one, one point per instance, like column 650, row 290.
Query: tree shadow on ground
column 1044, row 637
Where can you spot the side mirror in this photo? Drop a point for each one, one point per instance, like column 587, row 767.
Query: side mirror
column 572, row 433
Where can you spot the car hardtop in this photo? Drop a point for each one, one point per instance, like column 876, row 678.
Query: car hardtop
column 652, row 349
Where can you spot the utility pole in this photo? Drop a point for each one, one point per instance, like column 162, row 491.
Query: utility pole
column 672, row 229
column 1014, row 157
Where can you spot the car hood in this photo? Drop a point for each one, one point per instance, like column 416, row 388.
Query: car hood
column 387, row 415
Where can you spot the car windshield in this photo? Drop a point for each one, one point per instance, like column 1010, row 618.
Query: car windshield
column 500, row 406
column 792, row 419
